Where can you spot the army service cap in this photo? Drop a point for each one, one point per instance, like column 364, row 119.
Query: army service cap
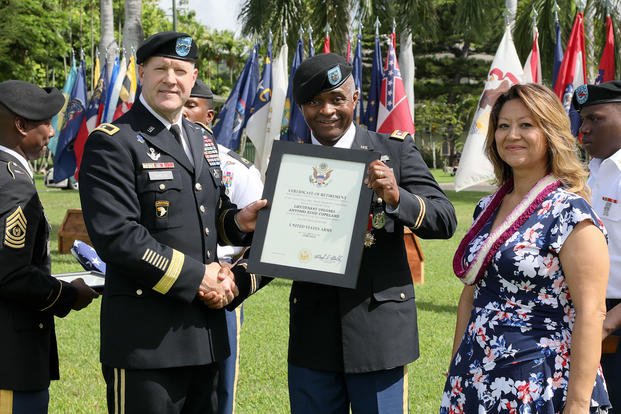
column 318, row 74
column 30, row 101
column 201, row 90
column 173, row 45
column 607, row 92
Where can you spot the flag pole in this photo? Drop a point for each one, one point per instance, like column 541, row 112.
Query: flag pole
column 555, row 10
column 377, row 26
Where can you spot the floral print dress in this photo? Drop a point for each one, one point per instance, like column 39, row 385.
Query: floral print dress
column 515, row 354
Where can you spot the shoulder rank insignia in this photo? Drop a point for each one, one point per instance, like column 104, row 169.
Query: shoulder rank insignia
column 15, row 233
column 399, row 135
column 107, row 128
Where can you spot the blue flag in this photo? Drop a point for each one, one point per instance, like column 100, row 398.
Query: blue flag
column 311, row 46
column 558, row 54
column 264, row 91
column 110, row 88
column 357, row 73
column 64, row 158
column 294, row 126
column 58, row 119
column 377, row 71
column 233, row 115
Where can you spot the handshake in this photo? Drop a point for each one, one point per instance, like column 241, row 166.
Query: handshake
column 218, row 288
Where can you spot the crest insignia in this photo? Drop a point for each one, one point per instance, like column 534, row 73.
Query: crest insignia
column 183, row 46
column 334, row 75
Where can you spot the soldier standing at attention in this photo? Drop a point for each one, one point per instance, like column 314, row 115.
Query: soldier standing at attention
column 29, row 296
column 600, row 110
column 155, row 209
column 243, row 185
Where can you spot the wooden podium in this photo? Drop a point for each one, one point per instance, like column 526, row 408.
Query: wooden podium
column 416, row 259
column 71, row 229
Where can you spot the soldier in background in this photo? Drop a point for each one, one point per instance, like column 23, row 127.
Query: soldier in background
column 29, row 296
column 243, row 185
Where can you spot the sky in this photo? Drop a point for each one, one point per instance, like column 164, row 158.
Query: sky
column 215, row 14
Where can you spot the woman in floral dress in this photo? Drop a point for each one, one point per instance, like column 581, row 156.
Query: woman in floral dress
column 535, row 265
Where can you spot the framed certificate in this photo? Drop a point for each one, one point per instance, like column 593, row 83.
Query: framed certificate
column 314, row 225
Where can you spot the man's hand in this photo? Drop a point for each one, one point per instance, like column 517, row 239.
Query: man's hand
column 246, row 218
column 218, row 287
column 85, row 294
column 382, row 180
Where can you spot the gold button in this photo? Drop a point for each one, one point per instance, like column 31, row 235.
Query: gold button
column 202, row 209
column 40, row 326
column 206, row 231
column 198, row 186
column 295, row 300
column 162, row 186
column 208, row 254
column 402, row 295
column 138, row 292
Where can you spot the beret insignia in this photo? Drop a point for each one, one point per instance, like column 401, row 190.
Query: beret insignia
column 183, row 46
column 582, row 94
column 15, row 232
column 334, row 75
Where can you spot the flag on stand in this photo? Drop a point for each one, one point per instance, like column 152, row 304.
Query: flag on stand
column 64, row 158
column 406, row 62
column 259, row 111
column 277, row 106
column 311, row 47
column 394, row 111
column 59, row 118
column 348, row 54
column 370, row 116
column 532, row 67
column 558, row 53
column 233, row 115
column 357, row 73
column 90, row 120
column 572, row 72
column 607, row 62
column 109, row 90
column 127, row 95
column 115, row 93
column 506, row 70
column 326, row 43
column 294, row 127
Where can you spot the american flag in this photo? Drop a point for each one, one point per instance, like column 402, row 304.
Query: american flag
column 394, row 111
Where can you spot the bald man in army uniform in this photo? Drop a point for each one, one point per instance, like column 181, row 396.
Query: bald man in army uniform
column 29, row 296
column 155, row 209
column 349, row 348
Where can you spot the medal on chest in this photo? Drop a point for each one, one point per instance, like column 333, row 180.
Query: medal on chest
column 210, row 151
column 608, row 202
column 377, row 221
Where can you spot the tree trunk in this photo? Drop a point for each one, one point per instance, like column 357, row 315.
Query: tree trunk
column 107, row 45
column 589, row 40
column 406, row 64
column 132, row 33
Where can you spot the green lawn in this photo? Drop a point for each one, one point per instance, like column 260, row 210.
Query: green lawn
column 263, row 376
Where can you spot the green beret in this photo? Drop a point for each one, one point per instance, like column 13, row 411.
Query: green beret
column 30, row 101
column 173, row 45
column 201, row 90
column 318, row 74
column 607, row 92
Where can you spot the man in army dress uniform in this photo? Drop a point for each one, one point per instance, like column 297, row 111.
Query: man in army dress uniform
column 29, row 296
column 349, row 348
column 243, row 185
column 155, row 208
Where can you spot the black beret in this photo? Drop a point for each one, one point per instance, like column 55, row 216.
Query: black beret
column 168, row 44
column 201, row 90
column 30, row 101
column 320, row 73
column 607, row 92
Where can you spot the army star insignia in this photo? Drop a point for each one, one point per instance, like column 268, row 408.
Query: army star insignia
column 153, row 155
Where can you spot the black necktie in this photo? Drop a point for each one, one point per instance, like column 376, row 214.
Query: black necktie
column 174, row 129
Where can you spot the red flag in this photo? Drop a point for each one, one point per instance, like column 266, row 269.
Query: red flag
column 607, row 62
column 532, row 67
column 572, row 72
column 394, row 110
column 326, row 44
column 348, row 55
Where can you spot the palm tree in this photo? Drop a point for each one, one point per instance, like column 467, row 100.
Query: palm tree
column 132, row 31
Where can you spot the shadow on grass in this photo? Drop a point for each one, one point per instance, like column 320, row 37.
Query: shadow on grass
column 434, row 307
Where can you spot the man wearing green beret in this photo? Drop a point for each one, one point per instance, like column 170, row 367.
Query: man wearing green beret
column 155, row 209
column 349, row 348
column 600, row 111
column 29, row 296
